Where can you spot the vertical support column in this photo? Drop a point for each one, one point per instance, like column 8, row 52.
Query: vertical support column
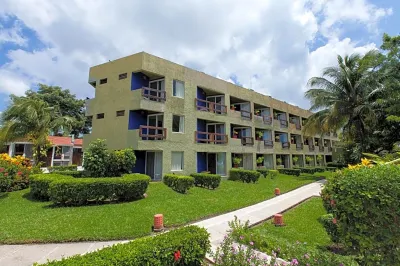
column 52, row 155
column 11, row 149
column 228, row 159
column 254, row 155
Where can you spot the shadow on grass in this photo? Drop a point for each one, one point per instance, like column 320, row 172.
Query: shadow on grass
column 28, row 196
column 3, row 195
column 53, row 205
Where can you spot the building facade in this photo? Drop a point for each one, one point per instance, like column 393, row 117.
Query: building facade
column 179, row 120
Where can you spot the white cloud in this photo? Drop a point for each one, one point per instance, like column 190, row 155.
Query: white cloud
column 12, row 34
column 11, row 82
column 261, row 43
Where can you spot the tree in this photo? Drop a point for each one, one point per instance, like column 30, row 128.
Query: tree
column 66, row 103
column 32, row 119
column 343, row 98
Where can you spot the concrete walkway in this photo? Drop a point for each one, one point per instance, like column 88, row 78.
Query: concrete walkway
column 20, row 255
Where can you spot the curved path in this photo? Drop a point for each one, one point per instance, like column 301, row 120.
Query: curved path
column 20, row 255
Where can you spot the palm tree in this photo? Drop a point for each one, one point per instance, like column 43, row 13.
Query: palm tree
column 343, row 97
column 31, row 119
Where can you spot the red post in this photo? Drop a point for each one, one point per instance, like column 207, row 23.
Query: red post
column 278, row 220
column 158, row 222
column 277, row 191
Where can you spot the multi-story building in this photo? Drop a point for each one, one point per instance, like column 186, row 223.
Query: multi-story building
column 181, row 120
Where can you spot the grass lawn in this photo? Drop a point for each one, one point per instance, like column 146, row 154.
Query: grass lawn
column 26, row 221
column 301, row 225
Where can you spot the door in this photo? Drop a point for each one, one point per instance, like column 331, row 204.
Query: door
column 220, row 101
column 221, row 163
column 154, row 165
column 248, row 161
column 246, row 108
column 155, row 120
column 211, row 163
column 265, row 112
column 157, row 86
column 267, row 135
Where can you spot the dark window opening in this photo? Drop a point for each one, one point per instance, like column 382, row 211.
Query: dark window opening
column 121, row 113
column 103, row 81
column 93, row 83
column 123, row 76
column 100, row 116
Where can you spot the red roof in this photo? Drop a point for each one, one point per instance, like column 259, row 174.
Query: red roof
column 78, row 142
column 60, row 141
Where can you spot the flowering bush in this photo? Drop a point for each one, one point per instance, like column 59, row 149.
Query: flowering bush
column 14, row 172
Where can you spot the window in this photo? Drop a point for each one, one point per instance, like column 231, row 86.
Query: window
column 178, row 124
column 178, row 89
column 177, row 161
column 123, row 76
column 100, row 116
column 121, row 113
column 103, row 81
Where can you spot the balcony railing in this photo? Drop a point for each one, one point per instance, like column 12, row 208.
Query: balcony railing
column 246, row 114
column 247, row 141
column 321, row 148
column 311, row 147
column 267, row 120
column 268, row 143
column 203, row 105
column 285, row 145
column 152, row 133
column 329, row 149
column 299, row 146
column 211, row 138
column 153, row 94
column 283, row 123
column 298, row 126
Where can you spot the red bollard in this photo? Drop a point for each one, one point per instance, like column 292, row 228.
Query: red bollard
column 278, row 220
column 277, row 191
column 158, row 223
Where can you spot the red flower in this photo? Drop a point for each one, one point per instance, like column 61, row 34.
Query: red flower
column 1, row 169
column 177, row 255
column 5, row 174
column 19, row 173
column 333, row 203
column 334, row 221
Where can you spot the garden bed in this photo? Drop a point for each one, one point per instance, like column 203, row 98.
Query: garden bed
column 30, row 221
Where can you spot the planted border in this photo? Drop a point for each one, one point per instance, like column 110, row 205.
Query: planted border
column 184, row 246
column 179, row 183
column 295, row 172
column 244, row 175
column 210, row 181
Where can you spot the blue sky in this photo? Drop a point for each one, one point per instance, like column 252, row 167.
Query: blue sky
column 269, row 46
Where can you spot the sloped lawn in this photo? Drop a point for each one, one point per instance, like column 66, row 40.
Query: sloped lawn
column 23, row 220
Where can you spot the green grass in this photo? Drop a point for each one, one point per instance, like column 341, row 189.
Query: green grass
column 26, row 221
column 302, row 225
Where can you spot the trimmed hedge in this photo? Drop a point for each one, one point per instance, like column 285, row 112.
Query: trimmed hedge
column 76, row 174
column 305, row 170
column 244, row 175
column 206, row 180
column 191, row 242
column 62, row 168
column 337, row 165
column 319, row 169
column 264, row 172
column 179, row 183
column 365, row 204
column 273, row 173
column 40, row 185
column 80, row 191
column 285, row 171
column 331, row 169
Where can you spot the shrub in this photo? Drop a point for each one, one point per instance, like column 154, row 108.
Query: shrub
column 244, row 175
column 365, row 203
column 263, row 171
column 184, row 246
column 80, row 191
column 179, row 183
column 62, row 168
column 331, row 169
column 206, row 180
column 306, row 170
column 319, row 169
column 14, row 172
column 273, row 173
column 100, row 162
column 285, row 171
column 69, row 173
column 40, row 184
column 337, row 165
column 330, row 226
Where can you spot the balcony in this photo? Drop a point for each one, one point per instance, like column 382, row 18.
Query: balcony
column 311, row 147
column 285, row 145
column 246, row 114
column 267, row 120
column 153, row 94
column 210, row 138
column 329, row 149
column 268, row 144
column 207, row 106
column 152, row 133
column 247, row 141
column 321, row 148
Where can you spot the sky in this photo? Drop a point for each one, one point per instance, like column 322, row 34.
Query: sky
column 270, row 46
